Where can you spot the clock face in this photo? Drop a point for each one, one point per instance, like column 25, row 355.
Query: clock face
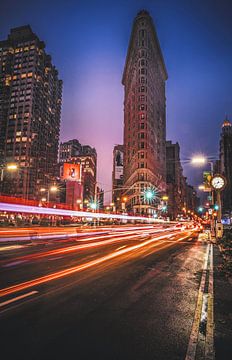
column 218, row 182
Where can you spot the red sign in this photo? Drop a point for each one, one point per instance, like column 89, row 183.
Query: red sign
column 71, row 172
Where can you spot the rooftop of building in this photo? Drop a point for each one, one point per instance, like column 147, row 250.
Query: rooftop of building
column 226, row 123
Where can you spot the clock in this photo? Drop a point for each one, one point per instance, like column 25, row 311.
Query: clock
column 218, row 182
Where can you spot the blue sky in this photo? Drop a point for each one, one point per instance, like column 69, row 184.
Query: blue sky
column 88, row 42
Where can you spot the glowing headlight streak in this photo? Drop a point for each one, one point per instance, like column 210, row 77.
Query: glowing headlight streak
column 61, row 212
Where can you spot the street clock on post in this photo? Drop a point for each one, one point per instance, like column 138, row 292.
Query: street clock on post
column 218, row 182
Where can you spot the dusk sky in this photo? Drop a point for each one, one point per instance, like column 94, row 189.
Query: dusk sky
column 88, row 42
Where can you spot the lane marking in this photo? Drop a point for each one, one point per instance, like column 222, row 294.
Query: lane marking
column 209, row 341
column 192, row 345
column 18, row 298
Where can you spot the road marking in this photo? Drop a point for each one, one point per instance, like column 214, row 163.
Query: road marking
column 209, row 341
column 18, row 298
column 204, row 311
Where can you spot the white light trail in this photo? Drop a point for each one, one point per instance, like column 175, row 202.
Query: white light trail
column 61, row 212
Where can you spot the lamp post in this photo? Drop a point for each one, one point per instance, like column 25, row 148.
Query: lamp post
column 201, row 160
column 52, row 189
column 11, row 167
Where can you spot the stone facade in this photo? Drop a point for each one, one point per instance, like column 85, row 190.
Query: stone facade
column 144, row 114
column 175, row 180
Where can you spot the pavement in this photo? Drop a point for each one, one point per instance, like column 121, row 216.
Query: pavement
column 223, row 310
column 128, row 294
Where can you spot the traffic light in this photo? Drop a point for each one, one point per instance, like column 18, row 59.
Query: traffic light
column 216, row 207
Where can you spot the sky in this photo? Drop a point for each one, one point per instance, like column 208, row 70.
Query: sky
column 88, row 42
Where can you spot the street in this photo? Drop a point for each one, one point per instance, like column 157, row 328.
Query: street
column 130, row 293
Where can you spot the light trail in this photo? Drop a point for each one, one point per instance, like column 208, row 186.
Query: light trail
column 75, row 269
column 74, row 248
column 61, row 212
column 126, row 235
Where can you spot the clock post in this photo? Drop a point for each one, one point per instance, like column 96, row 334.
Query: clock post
column 218, row 183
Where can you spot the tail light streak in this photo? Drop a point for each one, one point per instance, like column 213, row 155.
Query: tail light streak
column 75, row 269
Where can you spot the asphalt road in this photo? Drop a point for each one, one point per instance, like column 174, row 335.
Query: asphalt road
column 129, row 294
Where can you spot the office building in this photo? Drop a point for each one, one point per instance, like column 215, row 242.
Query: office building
column 226, row 165
column 30, row 107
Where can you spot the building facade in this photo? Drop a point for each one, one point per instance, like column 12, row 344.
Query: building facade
column 69, row 149
column 30, row 109
column 117, row 176
column 175, row 181
column 226, row 165
column 74, row 153
column 144, row 114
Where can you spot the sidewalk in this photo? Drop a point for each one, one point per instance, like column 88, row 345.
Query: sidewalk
column 222, row 309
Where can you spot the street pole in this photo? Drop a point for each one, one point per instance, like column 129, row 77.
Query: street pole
column 212, row 201
column 219, row 203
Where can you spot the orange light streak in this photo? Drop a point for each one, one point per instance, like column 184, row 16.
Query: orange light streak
column 79, row 268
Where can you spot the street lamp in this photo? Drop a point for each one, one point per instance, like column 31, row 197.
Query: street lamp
column 93, row 206
column 165, row 198
column 202, row 160
column 199, row 160
column 53, row 189
column 11, row 167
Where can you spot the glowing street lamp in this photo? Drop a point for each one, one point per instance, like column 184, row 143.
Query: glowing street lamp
column 165, row 198
column 12, row 167
column 53, row 188
column 199, row 160
column 93, row 206
column 201, row 187
column 149, row 194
